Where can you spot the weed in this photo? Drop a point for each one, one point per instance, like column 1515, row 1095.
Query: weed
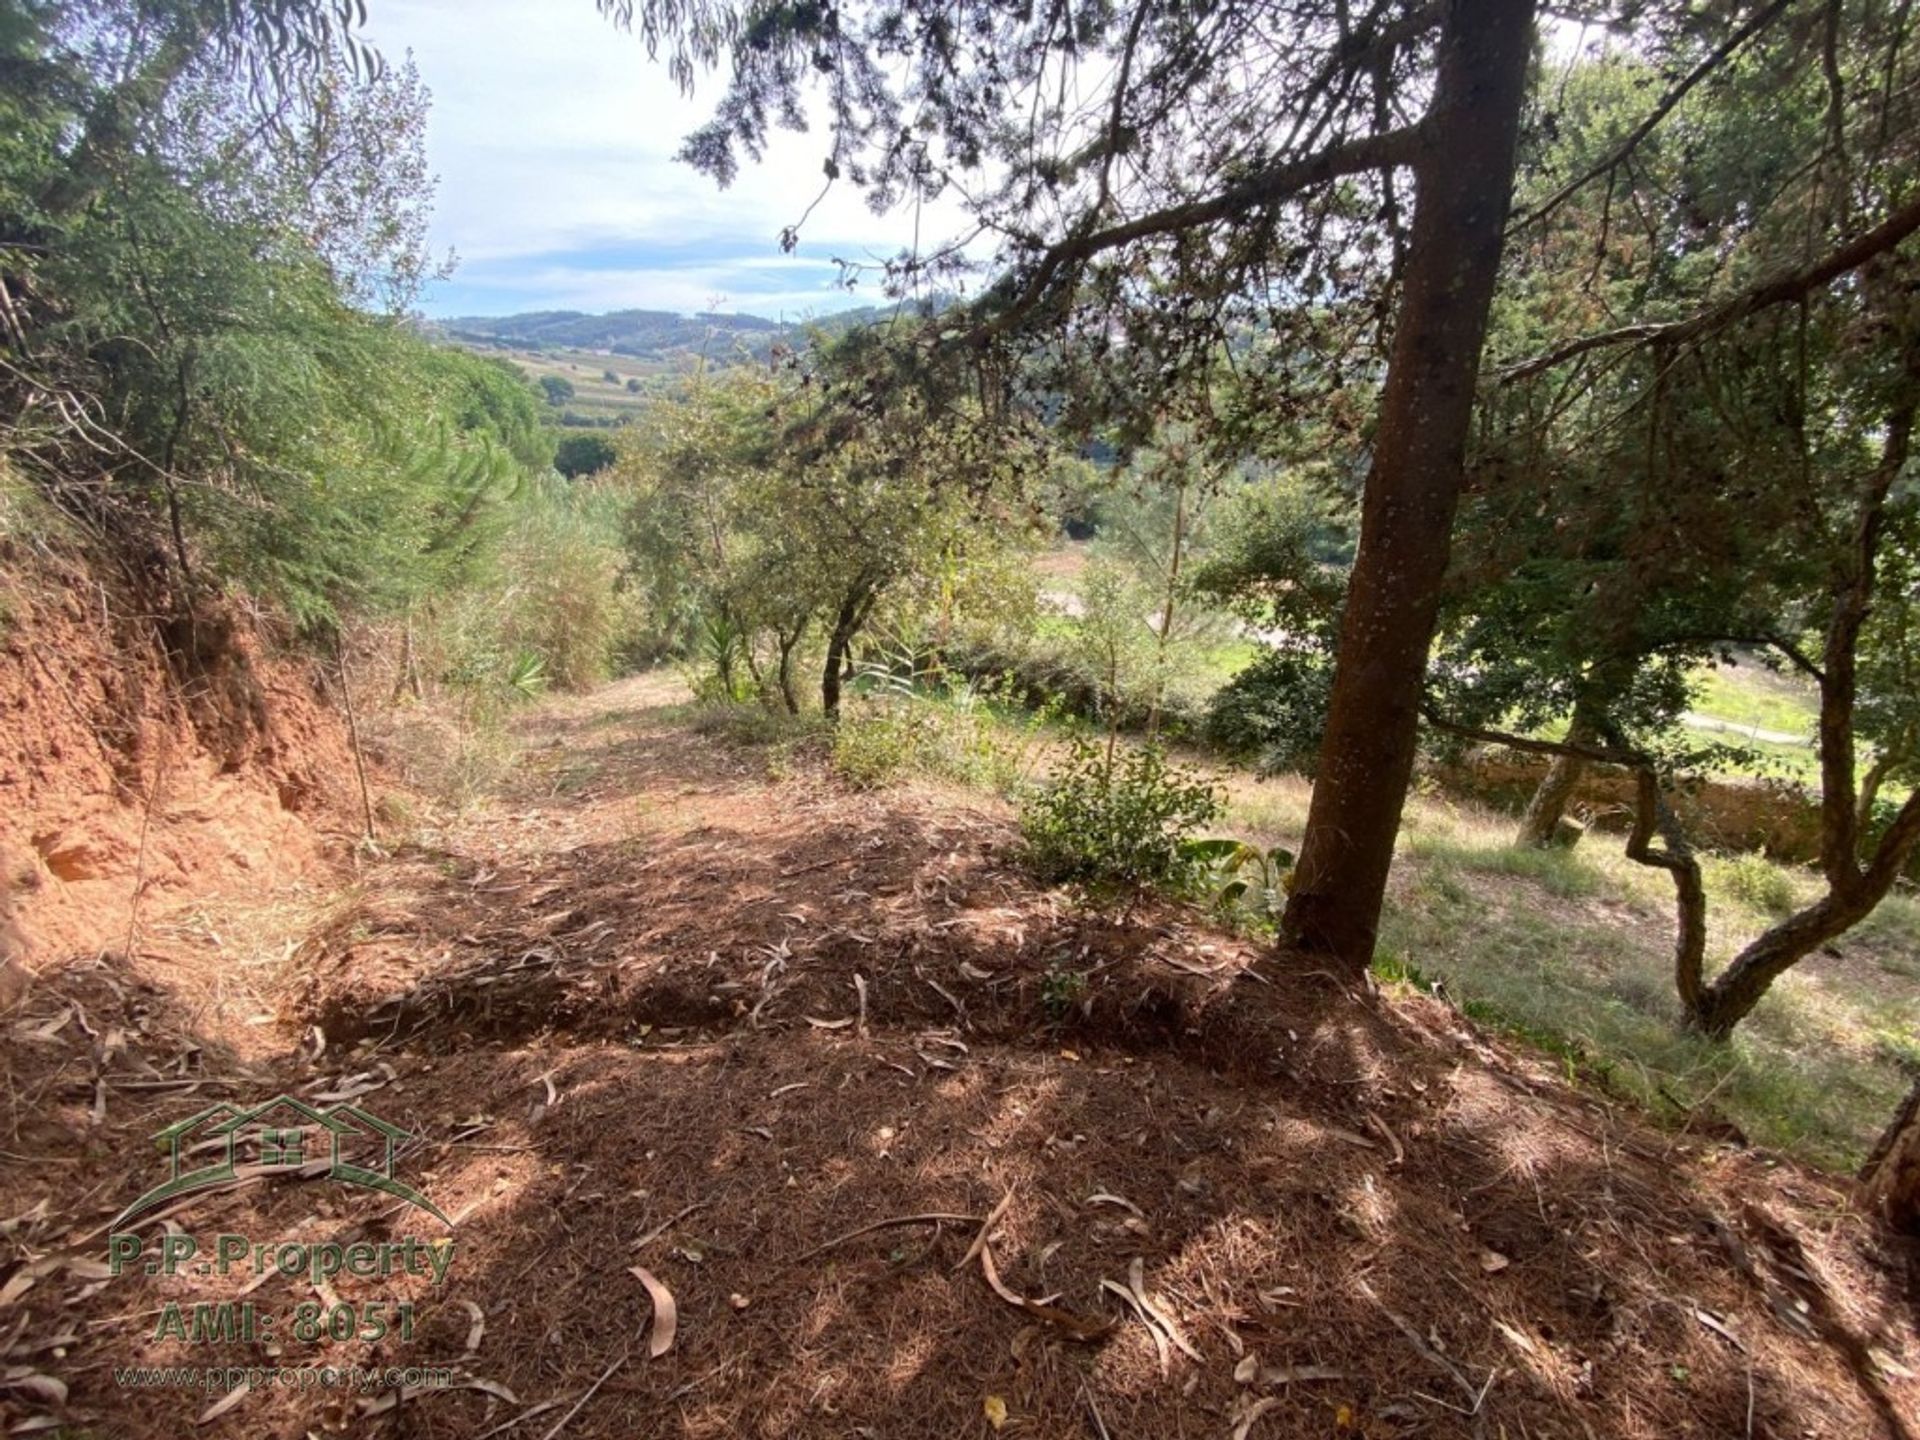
column 1237, row 876
column 749, row 725
column 1753, row 881
column 1899, row 1047
column 1061, row 988
column 959, row 734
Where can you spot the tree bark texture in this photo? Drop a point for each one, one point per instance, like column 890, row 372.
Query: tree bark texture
column 1463, row 185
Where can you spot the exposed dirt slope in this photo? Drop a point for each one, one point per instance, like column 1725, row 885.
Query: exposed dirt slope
column 144, row 748
column 787, row 1048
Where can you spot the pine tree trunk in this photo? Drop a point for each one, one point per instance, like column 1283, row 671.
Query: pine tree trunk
column 1891, row 1176
column 1463, row 186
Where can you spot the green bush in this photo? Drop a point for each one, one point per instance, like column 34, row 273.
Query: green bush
column 1274, row 710
column 579, row 455
column 1239, row 877
column 876, row 742
column 1116, row 821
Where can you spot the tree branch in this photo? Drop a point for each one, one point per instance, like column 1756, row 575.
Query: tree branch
column 1531, row 746
column 1276, row 183
column 1781, row 289
column 1621, row 152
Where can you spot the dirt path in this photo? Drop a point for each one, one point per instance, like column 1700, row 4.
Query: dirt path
column 672, row 1005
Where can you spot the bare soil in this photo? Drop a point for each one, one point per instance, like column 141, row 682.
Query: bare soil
column 151, row 753
column 789, row 1048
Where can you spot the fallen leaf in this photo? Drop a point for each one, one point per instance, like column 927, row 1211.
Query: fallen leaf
column 407, row 1394
column 995, row 1410
column 1887, row 1365
column 666, row 1315
column 1084, row 1328
column 32, row 1382
column 1252, row 1413
column 1517, row 1338
column 1493, row 1262
column 1719, row 1327
column 1247, row 1370
column 221, row 1406
column 476, row 1326
column 1136, row 1281
column 1299, row 1374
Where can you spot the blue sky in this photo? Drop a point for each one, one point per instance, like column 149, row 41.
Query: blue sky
column 553, row 137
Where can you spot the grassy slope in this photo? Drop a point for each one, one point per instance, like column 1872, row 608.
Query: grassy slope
column 1572, row 950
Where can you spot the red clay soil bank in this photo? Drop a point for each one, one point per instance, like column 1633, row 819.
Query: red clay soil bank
column 143, row 745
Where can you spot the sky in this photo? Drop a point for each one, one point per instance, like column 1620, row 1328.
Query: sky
column 553, row 138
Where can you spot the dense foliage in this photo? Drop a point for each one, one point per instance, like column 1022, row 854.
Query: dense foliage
column 207, row 235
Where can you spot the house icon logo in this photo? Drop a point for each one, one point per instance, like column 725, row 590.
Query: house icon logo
column 285, row 1136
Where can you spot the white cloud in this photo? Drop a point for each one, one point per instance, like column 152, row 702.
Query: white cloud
column 553, row 133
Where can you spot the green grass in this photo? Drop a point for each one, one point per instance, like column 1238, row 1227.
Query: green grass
column 1571, row 952
column 1752, row 695
column 1228, row 658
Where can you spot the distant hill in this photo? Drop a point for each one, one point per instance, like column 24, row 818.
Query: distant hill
column 660, row 336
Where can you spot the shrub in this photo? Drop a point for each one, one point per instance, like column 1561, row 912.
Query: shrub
column 579, row 455
column 876, row 742
column 1237, row 876
column 1116, row 821
column 1274, row 710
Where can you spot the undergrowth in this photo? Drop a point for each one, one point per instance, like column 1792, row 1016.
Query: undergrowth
column 961, row 732
column 1117, row 819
